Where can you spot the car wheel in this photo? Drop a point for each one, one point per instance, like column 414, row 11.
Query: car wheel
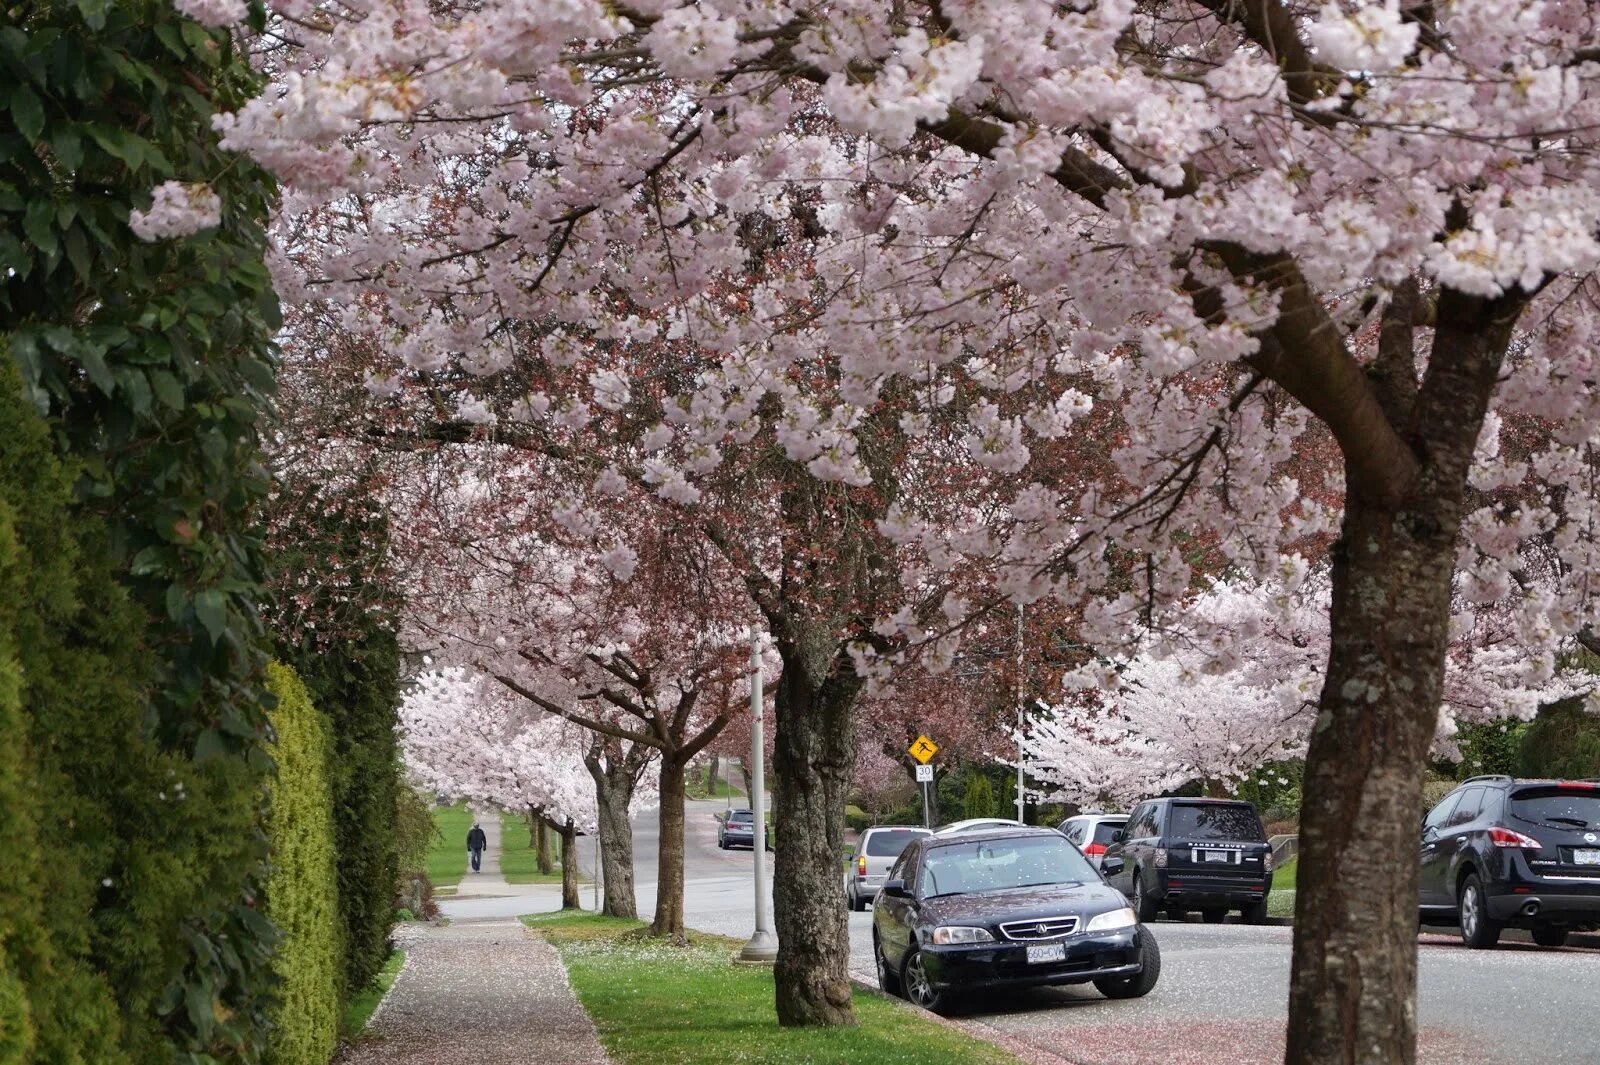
column 722, row 844
column 1255, row 913
column 888, row 979
column 919, row 989
column 1144, row 981
column 1478, row 931
column 1214, row 916
column 852, row 900
column 1142, row 904
column 1549, row 936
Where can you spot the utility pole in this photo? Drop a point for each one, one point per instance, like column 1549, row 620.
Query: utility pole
column 1022, row 724
column 763, row 946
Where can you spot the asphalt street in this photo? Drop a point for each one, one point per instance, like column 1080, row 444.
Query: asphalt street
column 1223, row 993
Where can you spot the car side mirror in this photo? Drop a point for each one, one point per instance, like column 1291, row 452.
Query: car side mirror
column 1110, row 864
column 1430, row 833
column 896, row 889
column 1119, row 836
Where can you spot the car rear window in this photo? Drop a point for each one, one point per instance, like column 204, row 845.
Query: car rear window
column 1215, row 820
column 1558, row 807
column 742, row 815
column 889, row 842
column 1105, row 830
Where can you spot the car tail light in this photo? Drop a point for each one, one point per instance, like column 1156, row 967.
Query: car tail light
column 1161, row 857
column 1094, row 849
column 1266, row 862
column 1576, row 785
column 861, row 866
column 1504, row 837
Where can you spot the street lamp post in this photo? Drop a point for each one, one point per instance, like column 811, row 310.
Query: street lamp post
column 763, row 946
column 1022, row 724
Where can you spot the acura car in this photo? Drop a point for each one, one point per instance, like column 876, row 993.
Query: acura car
column 1012, row 907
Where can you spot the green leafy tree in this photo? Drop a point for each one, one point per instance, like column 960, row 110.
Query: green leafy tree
column 979, row 799
column 1563, row 742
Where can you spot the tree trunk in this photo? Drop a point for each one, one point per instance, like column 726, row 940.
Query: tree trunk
column 713, row 776
column 614, row 783
column 669, row 863
column 811, row 761
column 547, row 861
column 1353, row 997
column 569, row 867
column 744, row 772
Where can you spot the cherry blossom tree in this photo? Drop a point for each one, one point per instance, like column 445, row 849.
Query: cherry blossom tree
column 1227, row 217
column 464, row 737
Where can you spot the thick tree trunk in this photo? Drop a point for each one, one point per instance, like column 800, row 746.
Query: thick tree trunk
column 614, row 783
column 811, row 762
column 714, row 776
column 669, row 865
column 569, row 867
column 744, row 772
column 1353, row 987
column 547, row 861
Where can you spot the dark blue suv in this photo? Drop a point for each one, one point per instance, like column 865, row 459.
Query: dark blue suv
column 1500, row 853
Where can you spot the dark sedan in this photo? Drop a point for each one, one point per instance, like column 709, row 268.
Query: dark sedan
column 1009, row 908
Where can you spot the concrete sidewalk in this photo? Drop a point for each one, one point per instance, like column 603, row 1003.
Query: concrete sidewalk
column 479, row 993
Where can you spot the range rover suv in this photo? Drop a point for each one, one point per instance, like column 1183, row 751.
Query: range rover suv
column 1501, row 853
column 1181, row 855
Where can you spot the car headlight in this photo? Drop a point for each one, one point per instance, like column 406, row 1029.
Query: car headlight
column 948, row 934
column 1112, row 920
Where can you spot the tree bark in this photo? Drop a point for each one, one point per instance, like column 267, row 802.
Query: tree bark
column 744, row 772
column 547, row 861
column 569, row 867
column 1352, row 996
column 811, row 761
column 614, row 783
column 713, row 776
column 668, row 920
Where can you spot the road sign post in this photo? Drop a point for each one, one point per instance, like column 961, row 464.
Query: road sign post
column 923, row 750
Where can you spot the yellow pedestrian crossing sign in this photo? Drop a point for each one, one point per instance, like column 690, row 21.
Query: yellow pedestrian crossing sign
column 924, row 749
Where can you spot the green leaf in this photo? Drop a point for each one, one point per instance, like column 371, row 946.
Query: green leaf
column 68, row 146
column 27, row 112
column 167, row 389
column 39, row 225
column 211, row 607
column 120, row 143
column 94, row 13
column 93, row 359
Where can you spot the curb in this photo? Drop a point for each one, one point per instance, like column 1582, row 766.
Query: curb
column 1024, row 1052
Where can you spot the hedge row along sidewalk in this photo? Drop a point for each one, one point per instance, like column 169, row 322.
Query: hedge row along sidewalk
column 655, row 1004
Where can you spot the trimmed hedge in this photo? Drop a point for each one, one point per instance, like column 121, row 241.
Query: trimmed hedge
column 301, row 890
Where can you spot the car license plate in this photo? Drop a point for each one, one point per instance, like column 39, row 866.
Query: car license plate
column 1586, row 856
column 1217, row 856
column 1046, row 952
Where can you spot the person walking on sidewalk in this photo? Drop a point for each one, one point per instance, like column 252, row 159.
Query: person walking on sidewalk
column 476, row 841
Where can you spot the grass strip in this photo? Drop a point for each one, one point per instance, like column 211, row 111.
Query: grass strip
column 359, row 1010
column 447, row 854
column 655, row 1004
column 1280, row 903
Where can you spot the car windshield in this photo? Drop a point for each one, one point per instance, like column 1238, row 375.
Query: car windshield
column 1003, row 865
column 889, row 842
column 1558, row 807
column 742, row 815
column 1215, row 820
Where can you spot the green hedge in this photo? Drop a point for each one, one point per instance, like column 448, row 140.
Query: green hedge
column 302, row 888
column 152, row 363
column 1563, row 742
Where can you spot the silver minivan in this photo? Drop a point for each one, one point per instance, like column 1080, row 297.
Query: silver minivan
column 876, row 850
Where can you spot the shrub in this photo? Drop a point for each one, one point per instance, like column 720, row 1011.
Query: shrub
column 1563, row 742
column 979, row 799
column 302, row 887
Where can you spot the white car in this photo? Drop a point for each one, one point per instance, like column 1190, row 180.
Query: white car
column 978, row 824
column 1092, row 833
column 876, row 851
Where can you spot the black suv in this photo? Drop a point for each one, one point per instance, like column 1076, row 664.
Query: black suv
column 1500, row 853
column 1179, row 855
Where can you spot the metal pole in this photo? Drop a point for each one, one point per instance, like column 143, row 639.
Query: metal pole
column 599, row 867
column 1022, row 724
column 763, row 945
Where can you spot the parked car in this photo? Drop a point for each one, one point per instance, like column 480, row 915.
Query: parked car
column 737, row 829
column 871, row 859
column 1011, row 907
column 1092, row 833
column 977, row 824
column 1180, row 855
column 1501, row 853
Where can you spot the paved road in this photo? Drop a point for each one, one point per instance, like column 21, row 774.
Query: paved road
column 1223, row 991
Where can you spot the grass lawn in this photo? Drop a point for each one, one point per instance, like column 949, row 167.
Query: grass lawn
column 695, row 786
column 1281, row 902
column 358, row 1011
column 659, row 1005
column 447, row 856
column 519, row 861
